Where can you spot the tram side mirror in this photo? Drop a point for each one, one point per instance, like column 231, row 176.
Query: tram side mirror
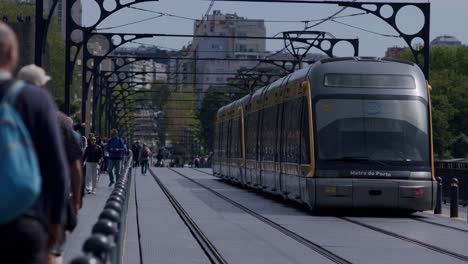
column 429, row 87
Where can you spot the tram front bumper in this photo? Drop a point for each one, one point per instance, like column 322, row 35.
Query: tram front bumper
column 368, row 193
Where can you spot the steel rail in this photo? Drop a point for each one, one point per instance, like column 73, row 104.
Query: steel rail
column 441, row 225
column 408, row 239
column 302, row 240
column 210, row 250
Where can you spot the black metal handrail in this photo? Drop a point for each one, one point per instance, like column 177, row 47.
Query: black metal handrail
column 458, row 170
column 106, row 240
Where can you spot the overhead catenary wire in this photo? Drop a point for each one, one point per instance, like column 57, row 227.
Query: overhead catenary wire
column 307, row 27
column 244, row 20
column 131, row 23
column 366, row 30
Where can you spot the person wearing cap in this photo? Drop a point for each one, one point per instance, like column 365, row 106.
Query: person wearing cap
column 39, row 227
column 73, row 153
column 34, row 74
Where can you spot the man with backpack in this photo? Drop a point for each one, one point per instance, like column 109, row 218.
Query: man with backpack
column 37, row 76
column 37, row 226
column 116, row 148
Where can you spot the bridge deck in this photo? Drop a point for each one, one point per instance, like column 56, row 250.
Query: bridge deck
column 156, row 230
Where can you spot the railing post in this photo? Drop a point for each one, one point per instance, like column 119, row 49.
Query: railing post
column 438, row 207
column 106, row 241
column 454, row 198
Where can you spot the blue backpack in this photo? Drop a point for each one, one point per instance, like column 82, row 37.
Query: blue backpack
column 20, row 178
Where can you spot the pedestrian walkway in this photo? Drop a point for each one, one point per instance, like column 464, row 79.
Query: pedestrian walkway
column 462, row 212
column 92, row 206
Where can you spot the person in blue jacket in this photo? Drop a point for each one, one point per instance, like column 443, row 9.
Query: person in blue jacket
column 116, row 148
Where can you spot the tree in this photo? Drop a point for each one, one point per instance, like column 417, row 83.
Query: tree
column 160, row 93
column 181, row 126
column 54, row 53
column 215, row 98
column 449, row 97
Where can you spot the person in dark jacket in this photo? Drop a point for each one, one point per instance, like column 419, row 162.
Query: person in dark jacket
column 136, row 148
column 144, row 158
column 37, row 76
column 40, row 226
column 92, row 156
column 116, row 148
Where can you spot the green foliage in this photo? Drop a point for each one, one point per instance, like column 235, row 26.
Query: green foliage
column 54, row 55
column 124, row 103
column 160, row 92
column 56, row 48
column 449, row 97
column 215, row 98
column 14, row 9
column 460, row 146
column 181, row 126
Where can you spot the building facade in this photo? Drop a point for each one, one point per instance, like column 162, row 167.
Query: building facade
column 201, row 72
column 394, row 52
column 60, row 10
column 152, row 70
column 449, row 41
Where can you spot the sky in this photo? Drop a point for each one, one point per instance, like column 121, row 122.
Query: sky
column 448, row 17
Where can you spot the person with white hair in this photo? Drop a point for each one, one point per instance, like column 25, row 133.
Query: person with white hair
column 73, row 152
column 33, row 74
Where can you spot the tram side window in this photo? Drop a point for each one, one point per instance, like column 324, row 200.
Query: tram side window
column 227, row 138
column 235, row 153
column 232, row 143
column 218, row 139
column 291, row 131
column 230, row 138
column 239, row 137
column 251, row 136
column 305, row 133
column 224, row 139
column 215, row 140
column 222, row 135
column 268, row 133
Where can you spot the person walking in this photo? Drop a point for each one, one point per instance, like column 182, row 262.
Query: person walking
column 144, row 158
column 116, row 148
column 39, row 227
column 159, row 158
column 136, row 148
column 92, row 156
column 36, row 75
column 105, row 161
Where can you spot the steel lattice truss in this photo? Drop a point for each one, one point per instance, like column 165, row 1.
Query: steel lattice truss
column 82, row 39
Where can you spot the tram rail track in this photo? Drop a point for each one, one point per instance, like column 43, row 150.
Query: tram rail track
column 408, row 239
column 298, row 238
column 398, row 236
column 441, row 225
column 208, row 248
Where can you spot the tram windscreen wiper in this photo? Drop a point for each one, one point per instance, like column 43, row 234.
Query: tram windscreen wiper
column 358, row 159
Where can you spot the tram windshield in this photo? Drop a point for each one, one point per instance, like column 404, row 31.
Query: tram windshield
column 377, row 132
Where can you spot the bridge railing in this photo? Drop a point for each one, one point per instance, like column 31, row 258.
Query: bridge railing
column 106, row 240
column 453, row 169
